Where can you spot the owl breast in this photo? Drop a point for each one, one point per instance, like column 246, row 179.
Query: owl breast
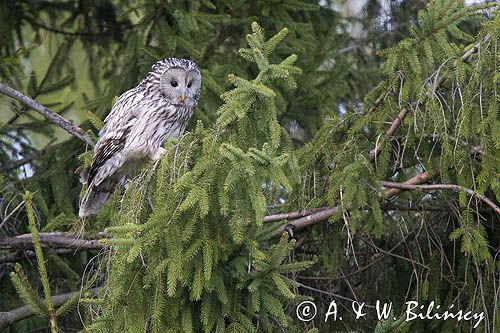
column 156, row 126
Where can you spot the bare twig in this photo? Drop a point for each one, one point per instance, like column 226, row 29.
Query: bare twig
column 50, row 115
column 390, row 253
column 391, row 206
column 434, row 187
column 13, row 316
column 328, row 293
column 11, row 213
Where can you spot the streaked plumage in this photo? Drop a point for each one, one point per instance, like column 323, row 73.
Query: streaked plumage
column 140, row 121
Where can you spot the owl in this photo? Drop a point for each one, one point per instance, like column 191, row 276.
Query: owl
column 142, row 118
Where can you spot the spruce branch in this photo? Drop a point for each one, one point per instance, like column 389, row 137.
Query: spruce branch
column 400, row 117
column 26, row 293
column 68, row 242
column 50, row 115
column 27, row 159
column 28, row 197
column 437, row 187
column 324, row 215
column 301, row 219
column 13, row 316
column 379, row 100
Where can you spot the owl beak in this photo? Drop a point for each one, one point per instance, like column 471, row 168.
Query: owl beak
column 183, row 98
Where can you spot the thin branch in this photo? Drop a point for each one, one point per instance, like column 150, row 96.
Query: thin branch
column 434, row 187
column 55, row 240
column 27, row 159
column 59, row 31
column 11, row 214
column 324, row 215
column 13, row 316
column 379, row 100
column 329, row 293
column 50, row 115
column 40, row 25
column 394, row 126
column 390, row 253
column 391, row 206
column 20, row 254
column 475, row 48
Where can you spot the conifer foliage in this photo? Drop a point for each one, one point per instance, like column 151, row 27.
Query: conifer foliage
column 188, row 247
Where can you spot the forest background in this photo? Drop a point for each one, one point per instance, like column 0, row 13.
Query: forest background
column 354, row 156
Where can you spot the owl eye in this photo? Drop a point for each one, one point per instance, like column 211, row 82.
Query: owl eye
column 173, row 83
column 190, row 84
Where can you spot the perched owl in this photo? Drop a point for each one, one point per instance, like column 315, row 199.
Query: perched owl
column 138, row 124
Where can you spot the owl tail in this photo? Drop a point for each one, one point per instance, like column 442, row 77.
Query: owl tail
column 92, row 201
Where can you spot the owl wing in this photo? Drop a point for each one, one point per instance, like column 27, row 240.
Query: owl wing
column 113, row 135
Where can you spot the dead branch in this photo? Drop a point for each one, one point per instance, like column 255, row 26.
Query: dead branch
column 415, row 180
column 300, row 219
column 391, row 206
column 291, row 215
column 50, row 115
column 13, row 316
column 67, row 240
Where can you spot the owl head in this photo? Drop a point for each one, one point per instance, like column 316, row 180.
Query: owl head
column 180, row 81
